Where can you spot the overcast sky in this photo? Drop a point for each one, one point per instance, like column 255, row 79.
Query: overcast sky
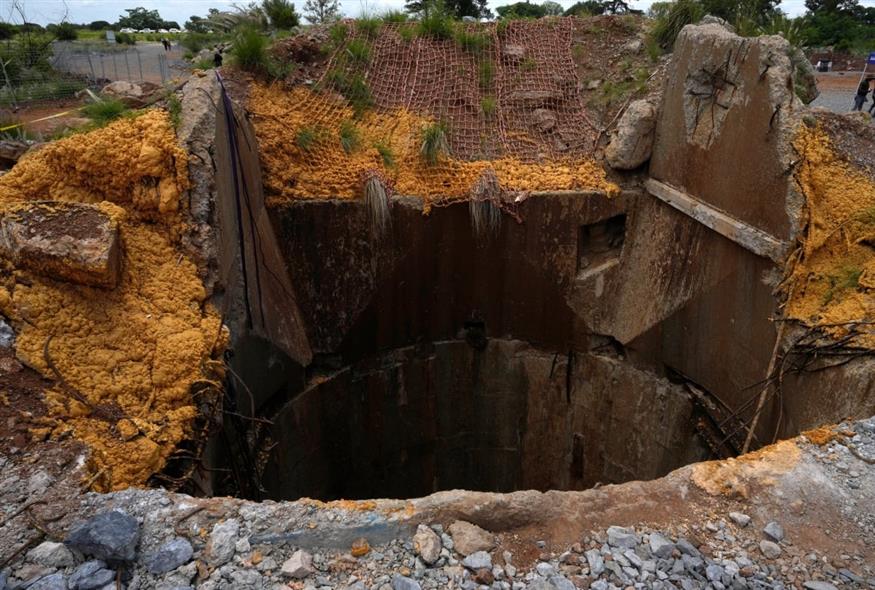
column 85, row 11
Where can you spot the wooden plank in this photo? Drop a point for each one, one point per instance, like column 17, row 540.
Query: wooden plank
column 746, row 236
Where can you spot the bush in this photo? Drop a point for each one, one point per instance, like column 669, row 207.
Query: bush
column 436, row 23
column 7, row 31
column 99, row 25
column 125, row 39
column 368, row 26
column 105, row 111
column 250, row 50
column 65, row 32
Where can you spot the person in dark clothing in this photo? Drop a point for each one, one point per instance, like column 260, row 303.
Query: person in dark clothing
column 862, row 91
column 217, row 57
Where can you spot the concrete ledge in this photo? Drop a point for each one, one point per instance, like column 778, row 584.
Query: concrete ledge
column 63, row 241
column 746, row 236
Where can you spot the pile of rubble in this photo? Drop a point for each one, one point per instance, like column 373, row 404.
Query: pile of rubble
column 145, row 539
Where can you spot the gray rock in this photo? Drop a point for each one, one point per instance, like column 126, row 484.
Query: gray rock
column 540, row 584
column 622, row 538
column 632, row 143
column 109, row 536
column 714, row 572
column 82, row 575
column 660, row 546
column 469, row 538
column 687, row 548
column 816, row 585
column 405, row 583
column 599, row 585
column 51, row 554
column 561, row 583
column 50, row 582
column 595, row 561
column 246, row 579
column 97, row 579
column 545, row 570
column 170, row 556
column 478, row 560
column 740, row 519
column 770, row 549
column 299, row 565
column 220, row 548
column 427, row 544
column 774, row 531
column 7, row 337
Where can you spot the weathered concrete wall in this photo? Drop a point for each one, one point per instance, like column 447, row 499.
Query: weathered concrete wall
column 447, row 415
column 431, row 274
column 726, row 124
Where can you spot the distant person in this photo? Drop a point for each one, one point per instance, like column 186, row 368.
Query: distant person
column 217, row 57
column 862, row 91
column 166, row 43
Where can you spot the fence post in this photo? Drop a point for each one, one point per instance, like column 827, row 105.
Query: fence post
column 91, row 66
column 115, row 65
column 140, row 63
column 127, row 66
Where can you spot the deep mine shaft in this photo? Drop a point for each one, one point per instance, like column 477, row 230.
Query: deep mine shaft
column 524, row 305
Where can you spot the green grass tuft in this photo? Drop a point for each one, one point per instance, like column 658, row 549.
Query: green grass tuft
column 359, row 51
column 174, row 107
column 473, row 42
column 487, row 105
column 369, row 26
column 307, row 137
column 386, row 153
column 354, row 88
column 395, row 17
column 437, row 25
column 486, row 74
column 434, row 142
column 350, row 137
column 338, row 33
column 105, row 111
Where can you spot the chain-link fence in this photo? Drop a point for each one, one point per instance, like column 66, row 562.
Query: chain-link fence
column 33, row 68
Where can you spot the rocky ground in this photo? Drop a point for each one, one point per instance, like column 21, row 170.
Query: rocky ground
column 797, row 515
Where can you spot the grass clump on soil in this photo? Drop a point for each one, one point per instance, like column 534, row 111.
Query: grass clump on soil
column 436, row 24
column 487, row 105
column 671, row 17
column 395, row 17
column 354, row 89
column 434, row 142
column 350, row 137
column 105, row 111
column 338, row 33
column 358, row 51
column 307, row 137
column 386, row 153
column 249, row 49
column 407, row 33
column 369, row 26
column 174, row 107
column 486, row 74
column 473, row 42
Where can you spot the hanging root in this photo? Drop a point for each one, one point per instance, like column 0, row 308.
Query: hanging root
column 484, row 206
column 377, row 191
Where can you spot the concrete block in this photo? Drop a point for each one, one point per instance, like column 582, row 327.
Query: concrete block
column 64, row 241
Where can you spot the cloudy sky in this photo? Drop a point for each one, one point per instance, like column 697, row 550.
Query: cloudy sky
column 84, row 11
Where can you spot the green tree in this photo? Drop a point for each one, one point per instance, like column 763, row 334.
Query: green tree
column 140, row 18
column 281, row 13
column 455, row 8
column 64, row 31
column 197, row 24
column 552, row 8
column 521, row 10
column 321, row 11
column 99, row 25
column 597, row 7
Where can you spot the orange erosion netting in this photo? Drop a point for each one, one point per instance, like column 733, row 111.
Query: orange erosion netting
column 432, row 117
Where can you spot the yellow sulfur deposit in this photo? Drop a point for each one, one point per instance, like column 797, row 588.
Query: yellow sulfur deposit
column 830, row 284
column 123, row 361
column 299, row 134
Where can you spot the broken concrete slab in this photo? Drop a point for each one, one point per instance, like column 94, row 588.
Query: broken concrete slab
column 64, row 241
